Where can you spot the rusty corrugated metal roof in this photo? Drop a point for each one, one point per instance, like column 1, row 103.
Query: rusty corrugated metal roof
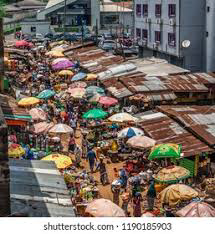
column 198, row 119
column 165, row 130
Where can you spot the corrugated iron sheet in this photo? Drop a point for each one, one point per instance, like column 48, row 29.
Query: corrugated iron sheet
column 165, row 130
column 198, row 119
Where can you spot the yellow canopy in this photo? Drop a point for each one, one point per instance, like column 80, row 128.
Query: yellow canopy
column 28, row 101
column 55, row 54
column 176, row 193
column 61, row 161
column 91, row 76
column 65, row 73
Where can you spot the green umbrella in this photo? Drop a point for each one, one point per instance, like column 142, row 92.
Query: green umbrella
column 165, row 151
column 45, row 94
column 95, row 114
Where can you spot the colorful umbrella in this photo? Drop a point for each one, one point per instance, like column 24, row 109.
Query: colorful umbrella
column 79, row 76
column 45, row 94
column 176, row 193
column 91, row 90
column 95, row 98
column 95, row 114
column 21, row 43
column 61, row 128
column 42, row 127
column 38, row 114
column 91, row 76
column 141, row 142
column 15, row 151
column 130, row 132
column 61, row 161
column 77, row 92
column 78, row 84
column 65, row 73
column 197, row 209
column 172, row 174
column 122, row 117
column 104, row 208
column 165, row 151
column 55, row 61
column 62, row 65
column 108, row 101
column 28, row 101
column 55, row 54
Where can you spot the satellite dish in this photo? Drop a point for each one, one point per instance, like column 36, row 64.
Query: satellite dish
column 186, row 43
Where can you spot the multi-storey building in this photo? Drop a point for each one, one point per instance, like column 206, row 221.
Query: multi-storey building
column 174, row 30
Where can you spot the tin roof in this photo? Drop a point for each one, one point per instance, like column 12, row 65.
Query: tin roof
column 165, row 130
column 38, row 189
column 200, row 120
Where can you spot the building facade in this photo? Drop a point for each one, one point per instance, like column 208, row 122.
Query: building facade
column 173, row 30
column 76, row 12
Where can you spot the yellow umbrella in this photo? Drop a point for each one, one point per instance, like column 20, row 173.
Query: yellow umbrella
column 91, row 76
column 65, row 73
column 15, row 151
column 28, row 101
column 55, row 54
column 61, row 161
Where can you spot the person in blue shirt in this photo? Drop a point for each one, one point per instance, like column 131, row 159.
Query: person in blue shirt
column 91, row 156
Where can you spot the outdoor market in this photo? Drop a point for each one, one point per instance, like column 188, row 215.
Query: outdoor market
column 120, row 155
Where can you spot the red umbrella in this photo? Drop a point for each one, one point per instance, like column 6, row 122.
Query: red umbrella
column 108, row 101
column 22, row 43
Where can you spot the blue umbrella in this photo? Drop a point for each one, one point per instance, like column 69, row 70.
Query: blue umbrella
column 79, row 76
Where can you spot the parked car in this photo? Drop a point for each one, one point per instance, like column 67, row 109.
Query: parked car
column 107, row 45
column 107, row 36
column 49, row 35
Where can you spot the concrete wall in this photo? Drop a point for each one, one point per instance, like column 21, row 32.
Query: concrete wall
column 210, row 40
column 41, row 27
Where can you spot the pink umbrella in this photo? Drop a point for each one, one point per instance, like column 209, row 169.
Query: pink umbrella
column 38, row 114
column 108, row 101
column 42, row 127
column 197, row 209
column 22, row 43
column 65, row 64
column 78, row 84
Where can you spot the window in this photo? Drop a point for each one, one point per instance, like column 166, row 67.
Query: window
column 145, row 10
column 138, row 10
column 171, row 39
column 33, row 29
column 144, row 34
column 172, row 10
column 138, row 33
column 158, row 10
column 158, row 36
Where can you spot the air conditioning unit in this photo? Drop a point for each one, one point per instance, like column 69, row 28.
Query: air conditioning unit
column 155, row 45
column 144, row 42
column 172, row 22
column 159, row 21
column 145, row 20
column 148, row 20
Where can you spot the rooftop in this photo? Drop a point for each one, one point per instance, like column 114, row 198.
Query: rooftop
column 38, row 190
column 165, row 130
column 200, row 120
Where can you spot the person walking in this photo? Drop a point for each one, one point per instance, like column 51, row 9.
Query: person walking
column 151, row 195
column 91, row 156
column 125, row 201
column 137, row 204
column 78, row 155
column 103, row 172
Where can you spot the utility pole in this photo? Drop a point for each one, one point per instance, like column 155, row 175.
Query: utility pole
column 64, row 26
column 97, row 32
column 4, row 164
